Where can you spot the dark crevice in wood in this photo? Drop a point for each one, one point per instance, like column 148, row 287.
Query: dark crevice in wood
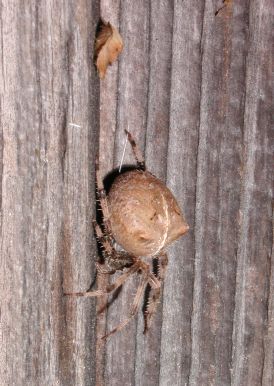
column 149, row 73
column 196, row 224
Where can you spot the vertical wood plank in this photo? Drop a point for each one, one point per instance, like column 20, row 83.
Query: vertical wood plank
column 147, row 357
column 255, row 241
column 131, row 114
column 218, row 193
column 181, row 178
column 268, row 371
column 47, row 199
column 110, row 12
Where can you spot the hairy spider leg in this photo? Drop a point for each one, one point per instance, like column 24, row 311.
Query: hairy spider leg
column 134, row 308
column 103, row 240
column 113, row 260
column 136, row 151
column 103, row 201
column 147, row 277
column 138, row 265
column 111, row 287
column 155, row 293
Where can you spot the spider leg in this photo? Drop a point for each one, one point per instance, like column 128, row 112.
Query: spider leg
column 103, row 240
column 152, row 279
column 107, row 250
column 102, row 270
column 155, row 293
column 138, row 265
column 134, row 308
column 113, row 260
column 136, row 151
column 111, row 287
column 103, row 200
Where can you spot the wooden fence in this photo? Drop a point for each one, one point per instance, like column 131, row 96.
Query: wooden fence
column 196, row 91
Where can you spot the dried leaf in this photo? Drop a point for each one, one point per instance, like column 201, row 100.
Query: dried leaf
column 225, row 4
column 108, row 45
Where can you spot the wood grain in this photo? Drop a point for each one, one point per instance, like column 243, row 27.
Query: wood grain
column 48, row 83
column 196, row 91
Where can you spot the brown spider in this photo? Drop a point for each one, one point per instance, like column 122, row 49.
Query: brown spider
column 142, row 216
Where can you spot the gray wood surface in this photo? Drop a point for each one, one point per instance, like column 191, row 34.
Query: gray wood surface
column 196, row 91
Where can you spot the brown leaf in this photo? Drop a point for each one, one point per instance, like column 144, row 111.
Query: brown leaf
column 108, row 45
column 225, row 4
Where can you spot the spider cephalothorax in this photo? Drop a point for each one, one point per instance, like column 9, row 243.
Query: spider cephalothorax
column 142, row 216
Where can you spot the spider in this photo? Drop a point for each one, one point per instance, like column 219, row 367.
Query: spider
column 141, row 215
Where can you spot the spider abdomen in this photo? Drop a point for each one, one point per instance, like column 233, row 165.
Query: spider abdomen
column 144, row 214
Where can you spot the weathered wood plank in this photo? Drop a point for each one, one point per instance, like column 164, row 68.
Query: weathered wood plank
column 255, row 241
column 131, row 114
column 181, row 177
column 217, row 196
column 268, row 370
column 110, row 11
column 147, row 363
column 47, row 191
